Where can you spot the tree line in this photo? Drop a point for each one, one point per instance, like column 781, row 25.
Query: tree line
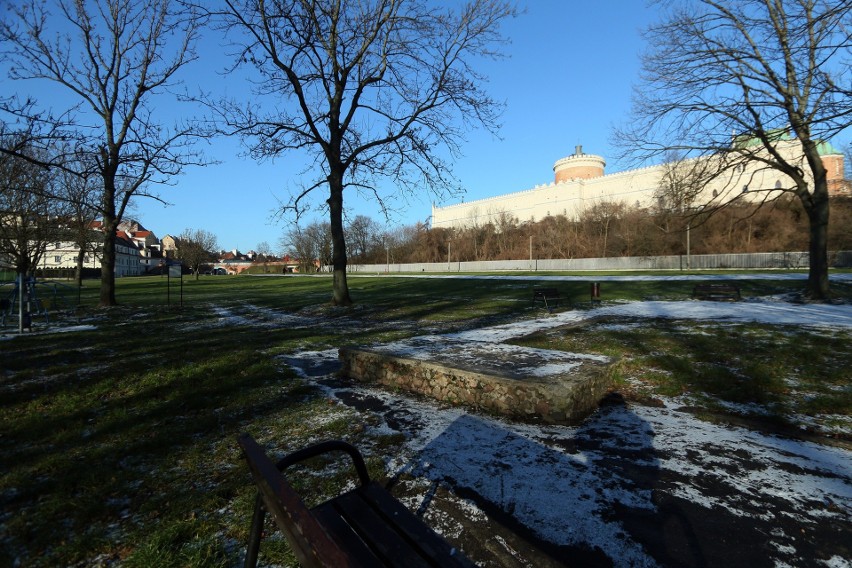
column 604, row 230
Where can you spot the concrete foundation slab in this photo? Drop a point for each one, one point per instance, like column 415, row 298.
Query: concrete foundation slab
column 519, row 382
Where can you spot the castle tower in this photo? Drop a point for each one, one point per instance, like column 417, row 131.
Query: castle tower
column 579, row 166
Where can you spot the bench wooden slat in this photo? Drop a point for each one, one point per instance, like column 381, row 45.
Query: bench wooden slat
column 432, row 544
column 375, row 531
column 344, row 534
column 716, row 291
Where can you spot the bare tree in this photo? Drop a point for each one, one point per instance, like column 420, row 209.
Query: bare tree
column 80, row 194
column 196, row 247
column 111, row 59
column 363, row 237
column 775, row 74
column 310, row 245
column 601, row 219
column 367, row 89
column 264, row 254
column 28, row 215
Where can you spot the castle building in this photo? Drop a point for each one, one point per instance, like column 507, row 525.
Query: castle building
column 580, row 183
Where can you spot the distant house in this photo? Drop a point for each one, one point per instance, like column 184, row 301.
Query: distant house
column 136, row 252
column 128, row 260
column 233, row 262
column 169, row 246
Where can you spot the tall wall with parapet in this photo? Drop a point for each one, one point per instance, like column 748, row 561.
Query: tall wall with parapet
column 580, row 183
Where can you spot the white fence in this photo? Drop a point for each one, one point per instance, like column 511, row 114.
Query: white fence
column 779, row 260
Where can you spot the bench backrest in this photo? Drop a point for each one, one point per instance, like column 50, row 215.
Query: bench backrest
column 309, row 541
column 545, row 292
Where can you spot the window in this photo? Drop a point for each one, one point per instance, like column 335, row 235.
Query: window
column 715, row 194
column 778, row 184
column 745, row 189
column 57, row 259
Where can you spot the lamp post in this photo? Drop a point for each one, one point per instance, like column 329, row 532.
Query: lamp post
column 531, row 255
column 688, row 225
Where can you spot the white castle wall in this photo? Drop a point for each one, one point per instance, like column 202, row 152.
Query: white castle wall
column 570, row 198
column 637, row 187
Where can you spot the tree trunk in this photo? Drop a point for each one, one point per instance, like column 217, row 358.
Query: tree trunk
column 78, row 272
column 338, row 242
column 816, row 206
column 107, row 297
column 818, row 287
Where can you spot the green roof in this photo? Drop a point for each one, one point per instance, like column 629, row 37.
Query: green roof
column 826, row 149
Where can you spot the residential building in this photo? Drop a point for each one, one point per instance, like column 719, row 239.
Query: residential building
column 136, row 252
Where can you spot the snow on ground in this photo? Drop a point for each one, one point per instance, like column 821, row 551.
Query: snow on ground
column 575, row 486
column 647, row 486
column 759, row 311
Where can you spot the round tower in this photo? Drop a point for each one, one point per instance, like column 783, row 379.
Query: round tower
column 579, row 166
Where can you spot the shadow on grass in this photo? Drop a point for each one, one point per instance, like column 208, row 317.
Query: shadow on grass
column 109, row 458
column 602, row 501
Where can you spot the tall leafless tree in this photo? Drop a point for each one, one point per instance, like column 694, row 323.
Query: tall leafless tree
column 28, row 215
column 369, row 89
column 363, row 237
column 734, row 81
column 108, row 60
column 79, row 194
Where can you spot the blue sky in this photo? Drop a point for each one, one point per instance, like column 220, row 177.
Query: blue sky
column 567, row 81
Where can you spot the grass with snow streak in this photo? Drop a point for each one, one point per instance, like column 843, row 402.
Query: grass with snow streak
column 798, row 376
column 118, row 438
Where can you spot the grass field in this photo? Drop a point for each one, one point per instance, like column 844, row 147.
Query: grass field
column 118, row 435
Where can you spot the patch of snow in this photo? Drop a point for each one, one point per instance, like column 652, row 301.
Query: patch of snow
column 564, row 482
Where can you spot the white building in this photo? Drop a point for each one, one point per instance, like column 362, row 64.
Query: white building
column 133, row 254
column 580, row 183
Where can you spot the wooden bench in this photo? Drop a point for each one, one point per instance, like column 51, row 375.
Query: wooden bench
column 716, row 291
column 366, row 526
column 548, row 296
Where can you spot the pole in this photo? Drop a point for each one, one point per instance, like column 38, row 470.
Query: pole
column 530, row 251
column 687, row 245
column 20, row 302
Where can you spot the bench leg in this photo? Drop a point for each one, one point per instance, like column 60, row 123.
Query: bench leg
column 256, row 532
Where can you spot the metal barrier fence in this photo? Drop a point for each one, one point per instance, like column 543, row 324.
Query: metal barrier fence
column 768, row 260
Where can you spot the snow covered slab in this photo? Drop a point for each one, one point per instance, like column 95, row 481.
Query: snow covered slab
column 524, row 383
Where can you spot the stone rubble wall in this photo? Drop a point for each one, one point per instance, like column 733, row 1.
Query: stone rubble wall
column 549, row 401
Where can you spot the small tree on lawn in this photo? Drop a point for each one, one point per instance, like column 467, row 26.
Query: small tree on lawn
column 29, row 217
column 195, row 248
column 109, row 60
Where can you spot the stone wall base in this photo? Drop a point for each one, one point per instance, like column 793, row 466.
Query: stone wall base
column 557, row 399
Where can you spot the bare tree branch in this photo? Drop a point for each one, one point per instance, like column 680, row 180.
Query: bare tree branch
column 371, row 89
column 758, row 84
column 119, row 57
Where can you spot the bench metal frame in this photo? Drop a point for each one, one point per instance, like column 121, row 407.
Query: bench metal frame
column 366, row 526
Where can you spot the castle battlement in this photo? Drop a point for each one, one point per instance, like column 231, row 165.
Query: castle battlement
column 580, row 182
